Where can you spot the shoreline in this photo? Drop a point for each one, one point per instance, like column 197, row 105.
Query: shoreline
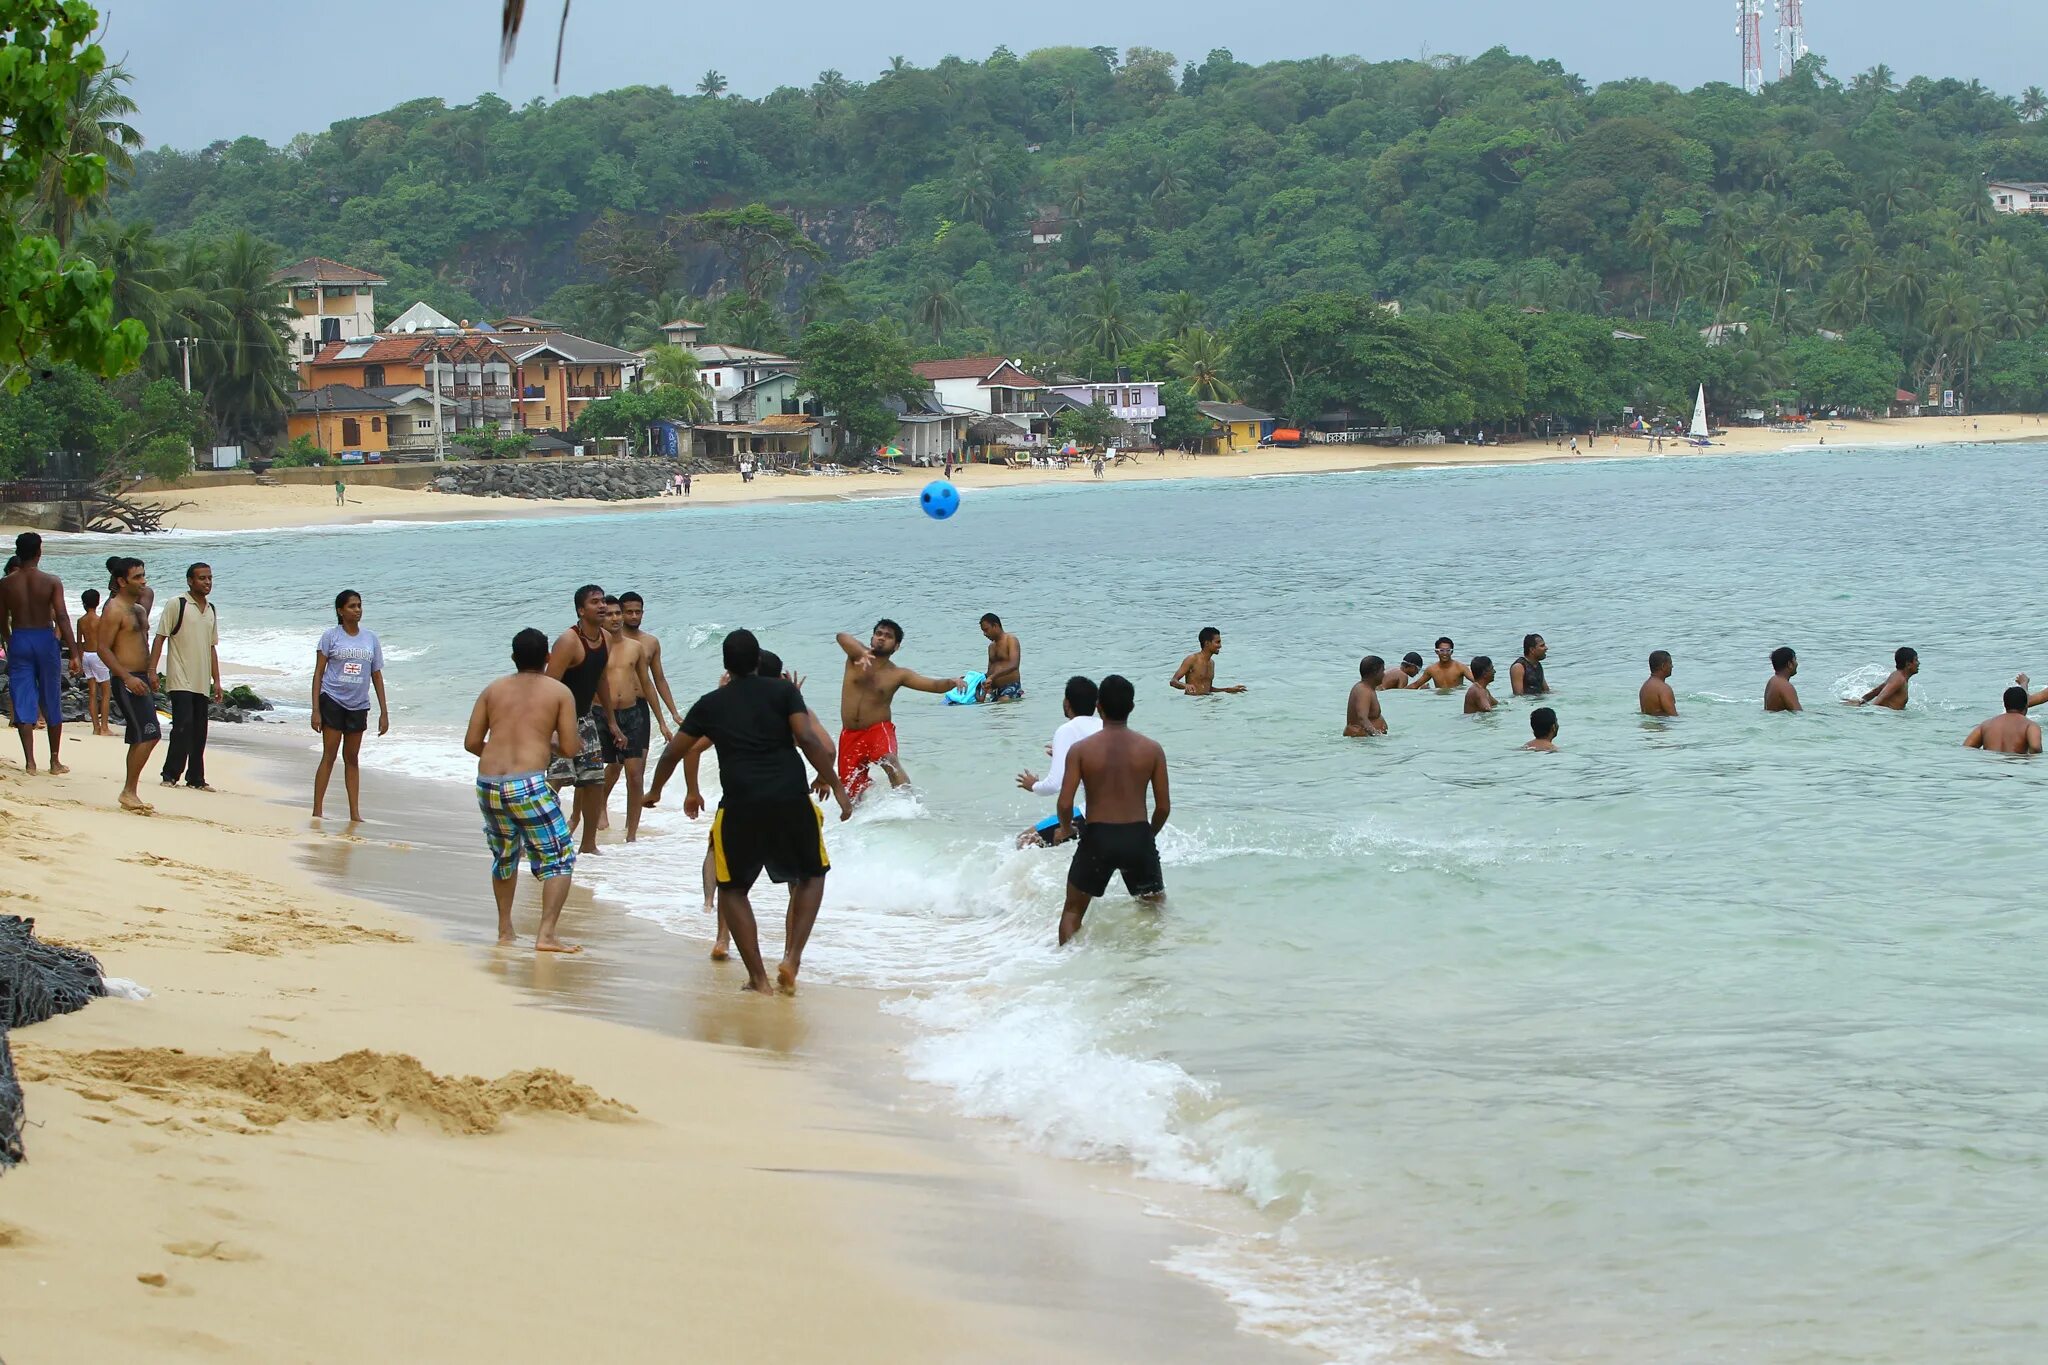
column 251, row 508
column 744, row 1167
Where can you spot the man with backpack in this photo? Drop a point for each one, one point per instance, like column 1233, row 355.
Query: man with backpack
column 188, row 650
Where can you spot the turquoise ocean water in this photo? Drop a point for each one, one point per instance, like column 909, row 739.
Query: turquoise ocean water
column 1707, row 1040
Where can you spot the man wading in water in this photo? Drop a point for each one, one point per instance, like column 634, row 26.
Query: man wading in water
column 578, row 663
column 1116, row 766
column 867, row 728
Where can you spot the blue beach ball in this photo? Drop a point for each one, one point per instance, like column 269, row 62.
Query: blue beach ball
column 939, row 499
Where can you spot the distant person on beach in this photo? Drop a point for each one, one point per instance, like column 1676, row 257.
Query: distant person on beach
column 187, row 650
column 348, row 665
column 1892, row 692
column 340, row 492
column 2009, row 733
column 124, row 644
column 1362, row 715
column 1196, row 675
column 577, row 661
column 631, row 684
column 1116, row 767
column 517, row 724
column 1779, row 693
column 35, row 622
column 1656, row 697
column 1005, row 680
column 765, row 819
column 1081, row 721
column 1479, row 696
column 1543, row 725
column 867, row 692
column 97, row 679
column 633, row 611
column 1444, row 672
column 1525, row 675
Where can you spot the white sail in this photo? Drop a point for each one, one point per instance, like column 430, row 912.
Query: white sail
column 1699, row 416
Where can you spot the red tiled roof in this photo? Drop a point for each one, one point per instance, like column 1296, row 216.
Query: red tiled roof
column 985, row 368
column 320, row 270
column 414, row 347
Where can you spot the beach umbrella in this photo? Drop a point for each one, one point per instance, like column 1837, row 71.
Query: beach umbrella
column 890, row 453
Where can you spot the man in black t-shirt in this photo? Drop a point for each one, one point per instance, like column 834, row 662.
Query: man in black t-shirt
column 765, row 819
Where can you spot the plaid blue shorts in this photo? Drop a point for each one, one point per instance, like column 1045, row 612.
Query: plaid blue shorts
column 522, row 812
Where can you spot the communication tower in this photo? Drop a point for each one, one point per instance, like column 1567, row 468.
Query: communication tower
column 1750, row 24
column 1791, row 35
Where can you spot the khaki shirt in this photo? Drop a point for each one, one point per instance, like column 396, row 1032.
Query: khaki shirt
column 188, row 655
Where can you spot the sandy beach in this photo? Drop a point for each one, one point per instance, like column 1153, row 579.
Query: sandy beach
column 288, row 1152
column 243, row 507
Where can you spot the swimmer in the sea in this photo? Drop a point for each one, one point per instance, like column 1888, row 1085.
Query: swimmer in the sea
column 2010, row 733
column 1891, row 693
column 1406, row 673
column 1656, row 697
column 1479, row 697
column 1542, row 724
column 1444, row 672
column 1779, row 693
column 1362, row 711
column 1196, row 675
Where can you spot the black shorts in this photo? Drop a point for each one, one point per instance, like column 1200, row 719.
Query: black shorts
column 1128, row 849
column 786, row 839
column 636, row 723
column 138, row 716
column 334, row 716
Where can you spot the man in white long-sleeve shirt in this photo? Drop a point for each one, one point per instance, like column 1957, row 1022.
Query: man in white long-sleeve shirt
column 1081, row 722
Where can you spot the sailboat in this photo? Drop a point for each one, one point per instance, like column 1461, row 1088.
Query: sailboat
column 1698, row 431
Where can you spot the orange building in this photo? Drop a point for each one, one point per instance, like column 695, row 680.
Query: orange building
column 558, row 374
column 392, row 419
column 475, row 373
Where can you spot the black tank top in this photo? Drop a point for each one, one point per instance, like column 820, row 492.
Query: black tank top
column 582, row 680
column 1532, row 676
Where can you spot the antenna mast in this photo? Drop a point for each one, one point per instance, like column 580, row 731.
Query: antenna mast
column 1750, row 24
column 1791, row 35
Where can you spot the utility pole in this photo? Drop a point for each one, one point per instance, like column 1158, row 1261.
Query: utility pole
column 440, row 449
column 185, row 346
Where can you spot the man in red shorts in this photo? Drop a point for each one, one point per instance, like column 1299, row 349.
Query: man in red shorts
column 867, row 733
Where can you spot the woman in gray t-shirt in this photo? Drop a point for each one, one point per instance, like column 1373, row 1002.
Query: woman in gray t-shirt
column 348, row 664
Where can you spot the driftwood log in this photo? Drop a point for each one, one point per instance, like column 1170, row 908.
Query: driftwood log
column 108, row 513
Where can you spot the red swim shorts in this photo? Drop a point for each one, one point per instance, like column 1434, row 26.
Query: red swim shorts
column 860, row 748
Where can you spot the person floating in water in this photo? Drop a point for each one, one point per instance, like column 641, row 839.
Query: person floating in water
column 1362, row 712
column 1116, row 766
column 1525, row 674
column 1197, row 673
column 1891, row 693
column 1779, row 693
column 1445, row 672
column 1479, row 696
column 1005, row 680
column 1543, row 725
column 2010, row 733
column 1656, row 697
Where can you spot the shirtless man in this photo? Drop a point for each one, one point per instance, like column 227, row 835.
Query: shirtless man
column 632, row 611
column 578, row 661
column 1362, row 715
column 1005, row 662
column 1445, row 672
column 1197, row 673
column 518, row 723
column 1779, row 693
column 33, row 621
column 96, row 676
column 1116, row 766
column 124, row 647
column 1892, row 692
column 1409, row 670
column 1543, row 725
column 631, row 684
column 1656, row 698
column 1525, row 674
column 867, row 728
column 1479, row 696
column 2011, row 733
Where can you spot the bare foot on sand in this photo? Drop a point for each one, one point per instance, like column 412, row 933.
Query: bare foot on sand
column 785, row 978
column 555, row 945
column 135, row 805
column 58, row 769
column 719, row 954
column 757, row 988
column 508, row 940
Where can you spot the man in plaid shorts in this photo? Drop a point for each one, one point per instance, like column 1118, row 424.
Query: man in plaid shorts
column 511, row 728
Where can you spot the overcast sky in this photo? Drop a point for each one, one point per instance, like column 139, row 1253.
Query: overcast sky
column 210, row 69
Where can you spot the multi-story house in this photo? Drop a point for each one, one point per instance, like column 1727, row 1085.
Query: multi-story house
column 473, row 372
column 990, row 385
column 329, row 301
column 1135, row 402
column 726, row 371
column 2019, row 196
column 558, row 374
column 395, row 419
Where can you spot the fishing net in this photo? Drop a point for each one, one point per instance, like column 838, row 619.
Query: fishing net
column 37, row 981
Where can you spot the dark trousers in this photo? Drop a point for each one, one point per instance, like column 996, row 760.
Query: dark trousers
column 188, row 739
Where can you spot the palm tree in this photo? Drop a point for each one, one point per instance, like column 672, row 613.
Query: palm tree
column 1105, row 326
column 1199, row 357
column 897, row 66
column 672, row 372
column 1179, row 315
column 977, row 187
column 2033, row 103
column 712, row 84
column 167, row 303
column 830, row 86
column 240, row 362
column 822, row 297
column 1909, row 273
column 96, row 126
column 1070, row 100
column 935, row 309
column 1649, row 235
